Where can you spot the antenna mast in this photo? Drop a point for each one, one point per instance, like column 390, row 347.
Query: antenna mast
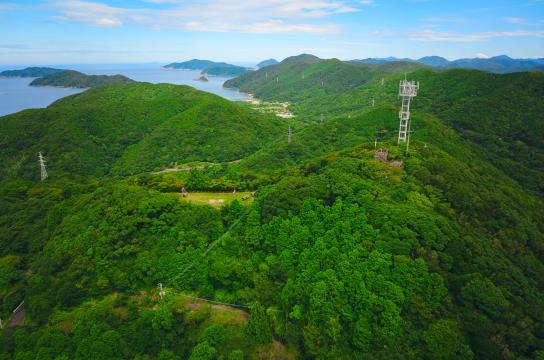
column 43, row 169
column 407, row 90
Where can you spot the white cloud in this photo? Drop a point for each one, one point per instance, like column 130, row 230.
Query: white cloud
column 514, row 20
column 367, row 2
column 483, row 56
column 8, row 6
column 431, row 35
column 265, row 16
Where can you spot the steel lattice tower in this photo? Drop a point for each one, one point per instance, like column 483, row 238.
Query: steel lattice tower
column 407, row 90
column 289, row 135
column 43, row 169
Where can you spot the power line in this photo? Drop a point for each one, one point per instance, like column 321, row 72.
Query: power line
column 210, row 248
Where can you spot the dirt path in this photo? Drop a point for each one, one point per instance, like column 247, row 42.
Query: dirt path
column 17, row 319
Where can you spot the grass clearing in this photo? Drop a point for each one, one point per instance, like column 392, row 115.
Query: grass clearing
column 218, row 199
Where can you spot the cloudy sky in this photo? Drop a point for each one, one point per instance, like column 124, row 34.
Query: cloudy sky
column 245, row 31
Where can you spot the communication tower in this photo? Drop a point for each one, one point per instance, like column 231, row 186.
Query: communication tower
column 407, row 90
column 43, row 169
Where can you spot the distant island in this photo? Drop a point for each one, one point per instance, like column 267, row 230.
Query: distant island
column 75, row 79
column 30, row 72
column 266, row 63
column 498, row 64
column 208, row 67
column 202, row 78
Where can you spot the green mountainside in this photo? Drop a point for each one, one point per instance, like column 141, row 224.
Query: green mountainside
column 482, row 107
column 30, row 72
column 437, row 253
column 304, row 77
column 71, row 78
column 130, row 128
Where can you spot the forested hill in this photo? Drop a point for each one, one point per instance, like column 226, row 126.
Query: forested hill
column 75, row 79
column 128, row 129
column 208, row 67
column 30, row 72
column 502, row 115
column 435, row 253
column 304, row 76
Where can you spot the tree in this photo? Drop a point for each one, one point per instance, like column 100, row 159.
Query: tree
column 258, row 327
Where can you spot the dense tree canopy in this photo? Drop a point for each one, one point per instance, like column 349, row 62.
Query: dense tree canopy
column 435, row 254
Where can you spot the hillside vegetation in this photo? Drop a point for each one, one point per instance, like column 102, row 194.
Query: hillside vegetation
column 75, row 79
column 484, row 108
column 130, row 128
column 436, row 253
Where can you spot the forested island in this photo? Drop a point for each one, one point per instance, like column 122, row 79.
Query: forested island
column 208, row 67
column 30, row 72
column 266, row 63
column 76, row 79
column 345, row 245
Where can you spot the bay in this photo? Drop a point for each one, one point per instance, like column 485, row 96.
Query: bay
column 17, row 95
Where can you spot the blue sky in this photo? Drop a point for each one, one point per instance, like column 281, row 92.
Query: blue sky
column 245, row 31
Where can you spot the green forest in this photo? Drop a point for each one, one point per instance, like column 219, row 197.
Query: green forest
column 435, row 253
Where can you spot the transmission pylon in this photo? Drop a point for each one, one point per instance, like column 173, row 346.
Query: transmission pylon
column 289, row 135
column 43, row 169
column 407, row 90
column 161, row 291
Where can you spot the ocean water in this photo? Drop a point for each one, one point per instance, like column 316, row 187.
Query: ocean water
column 17, row 95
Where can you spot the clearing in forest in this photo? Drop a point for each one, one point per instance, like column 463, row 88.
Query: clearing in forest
column 218, row 199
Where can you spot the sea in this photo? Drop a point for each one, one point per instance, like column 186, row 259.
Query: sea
column 17, row 95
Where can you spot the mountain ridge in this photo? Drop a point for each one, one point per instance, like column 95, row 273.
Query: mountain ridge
column 497, row 64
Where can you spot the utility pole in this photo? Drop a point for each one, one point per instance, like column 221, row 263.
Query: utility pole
column 321, row 119
column 372, row 102
column 375, row 143
column 382, row 81
column 277, row 79
column 43, row 169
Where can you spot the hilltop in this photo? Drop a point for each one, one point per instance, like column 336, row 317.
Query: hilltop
column 30, row 72
column 208, row 67
column 75, row 79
